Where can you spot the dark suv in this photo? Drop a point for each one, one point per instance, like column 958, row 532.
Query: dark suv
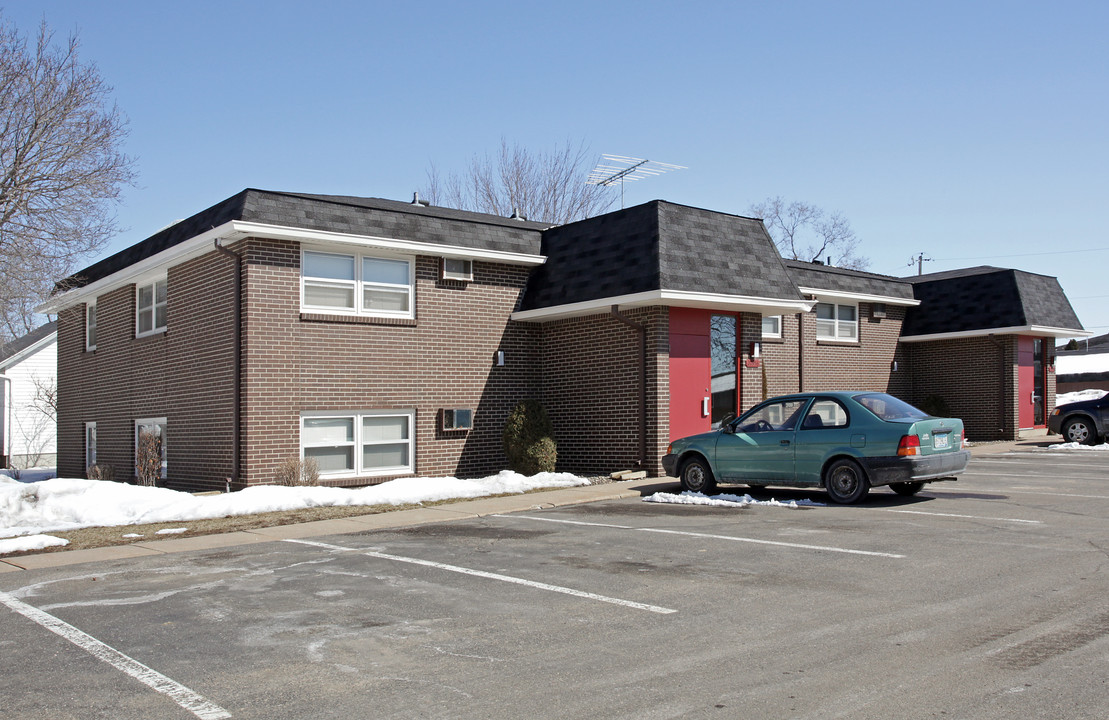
column 1082, row 422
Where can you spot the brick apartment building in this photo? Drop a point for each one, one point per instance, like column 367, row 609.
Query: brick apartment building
column 389, row 339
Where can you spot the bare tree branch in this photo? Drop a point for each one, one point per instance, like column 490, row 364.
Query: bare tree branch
column 61, row 168
column 806, row 232
column 546, row 187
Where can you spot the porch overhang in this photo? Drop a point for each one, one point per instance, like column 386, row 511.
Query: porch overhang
column 1040, row 330
column 668, row 298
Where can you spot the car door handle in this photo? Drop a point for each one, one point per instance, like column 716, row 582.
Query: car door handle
column 785, row 443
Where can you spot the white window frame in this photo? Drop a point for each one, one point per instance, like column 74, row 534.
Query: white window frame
column 359, row 443
column 777, row 322
column 357, row 285
column 161, row 424
column 466, row 274
column 90, row 327
column 155, row 328
column 838, row 325
column 90, row 447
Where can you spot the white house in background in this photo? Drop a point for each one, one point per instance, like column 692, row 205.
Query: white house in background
column 1086, row 368
column 28, row 387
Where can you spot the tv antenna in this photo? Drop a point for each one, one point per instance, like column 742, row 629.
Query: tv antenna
column 614, row 169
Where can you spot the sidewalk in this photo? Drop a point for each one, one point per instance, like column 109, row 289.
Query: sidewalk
column 402, row 518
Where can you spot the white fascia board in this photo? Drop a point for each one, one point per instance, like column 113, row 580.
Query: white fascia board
column 145, row 269
column 156, row 265
column 1015, row 330
column 668, row 298
column 857, row 297
column 277, row 232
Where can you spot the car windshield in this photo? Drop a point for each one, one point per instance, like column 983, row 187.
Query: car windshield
column 889, row 408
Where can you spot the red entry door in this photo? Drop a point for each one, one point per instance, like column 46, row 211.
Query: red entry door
column 1031, row 382
column 690, row 385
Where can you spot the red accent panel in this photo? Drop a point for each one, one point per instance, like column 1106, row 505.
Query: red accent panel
column 690, row 382
column 1025, row 379
column 689, row 321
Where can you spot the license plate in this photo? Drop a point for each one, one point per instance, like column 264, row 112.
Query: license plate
column 941, row 441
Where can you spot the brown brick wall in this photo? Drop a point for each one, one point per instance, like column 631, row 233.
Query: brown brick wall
column 591, row 388
column 445, row 358
column 976, row 378
column 183, row 375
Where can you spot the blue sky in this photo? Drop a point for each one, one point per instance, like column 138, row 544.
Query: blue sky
column 974, row 132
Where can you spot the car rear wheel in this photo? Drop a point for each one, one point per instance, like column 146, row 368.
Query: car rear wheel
column 907, row 488
column 1080, row 430
column 846, row 482
column 697, row 476
column 756, row 488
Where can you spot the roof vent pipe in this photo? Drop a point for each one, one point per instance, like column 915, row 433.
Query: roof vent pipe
column 516, row 215
column 417, row 201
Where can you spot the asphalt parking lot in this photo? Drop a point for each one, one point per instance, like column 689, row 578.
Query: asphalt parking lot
column 984, row 598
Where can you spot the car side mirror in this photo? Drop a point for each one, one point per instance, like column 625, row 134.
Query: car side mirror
column 728, row 428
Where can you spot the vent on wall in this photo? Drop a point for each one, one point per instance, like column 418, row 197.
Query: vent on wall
column 458, row 419
column 878, row 310
column 457, row 269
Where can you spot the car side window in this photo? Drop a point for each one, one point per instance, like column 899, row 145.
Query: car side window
column 825, row 414
column 775, row 416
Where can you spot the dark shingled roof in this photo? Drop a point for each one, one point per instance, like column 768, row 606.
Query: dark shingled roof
column 983, row 298
column 658, row 246
column 20, row 344
column 334, row 213
column 826, row 277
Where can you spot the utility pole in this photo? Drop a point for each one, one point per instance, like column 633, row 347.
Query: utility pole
column 919, row 260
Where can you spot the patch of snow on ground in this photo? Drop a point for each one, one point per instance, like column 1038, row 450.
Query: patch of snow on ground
column 1104, row 447
column 29, row 542
column 67, row 504
column 736, row 501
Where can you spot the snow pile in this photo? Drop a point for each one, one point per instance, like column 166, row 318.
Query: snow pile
column 66, row 504
column 734, row 501
column 1104, row 447
column 1078, row 396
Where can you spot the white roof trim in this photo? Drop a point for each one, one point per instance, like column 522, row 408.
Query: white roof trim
column 1015, row 330
column 28, row 351
column 235, row 230
column 669, row 298
column 858, row 297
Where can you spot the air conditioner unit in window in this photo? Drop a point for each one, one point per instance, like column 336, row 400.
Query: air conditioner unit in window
column 457, row 269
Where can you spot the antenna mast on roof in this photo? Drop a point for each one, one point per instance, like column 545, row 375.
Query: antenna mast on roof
column 614, row 169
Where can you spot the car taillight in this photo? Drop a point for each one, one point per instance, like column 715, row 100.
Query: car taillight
column 963, row 442
column 909, row 445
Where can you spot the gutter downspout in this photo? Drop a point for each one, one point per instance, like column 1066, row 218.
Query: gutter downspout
column 7, row 410
column 642, row 331
column 800, row 352
column 237, row 372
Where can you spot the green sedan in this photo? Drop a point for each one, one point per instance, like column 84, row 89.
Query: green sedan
column 845, row 442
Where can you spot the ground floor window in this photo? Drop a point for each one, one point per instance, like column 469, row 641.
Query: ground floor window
column 376, row 442
column 150, row 446
column 90, row 444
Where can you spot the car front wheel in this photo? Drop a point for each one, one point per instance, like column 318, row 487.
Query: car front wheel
column 697, row 476
column 846, row 482
column 1080, row 430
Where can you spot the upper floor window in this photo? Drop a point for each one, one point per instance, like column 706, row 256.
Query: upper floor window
column 90, row 327
column 837, row 322
column 356, row 284
column 771, row 326
column 150, row 308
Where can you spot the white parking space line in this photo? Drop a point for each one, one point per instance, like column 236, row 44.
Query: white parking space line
column 1021, row 461
column 1057, row 494
column 1053, row 476
column 568, row 522
column 183, row 696
column 493, row 576
column 757, row 541
column 968, row 517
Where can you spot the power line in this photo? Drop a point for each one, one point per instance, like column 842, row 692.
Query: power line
column 1053, row 252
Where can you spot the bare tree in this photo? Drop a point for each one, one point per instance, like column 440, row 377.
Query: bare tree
column 61, row 168
column 545, row 187
column 806, row 232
